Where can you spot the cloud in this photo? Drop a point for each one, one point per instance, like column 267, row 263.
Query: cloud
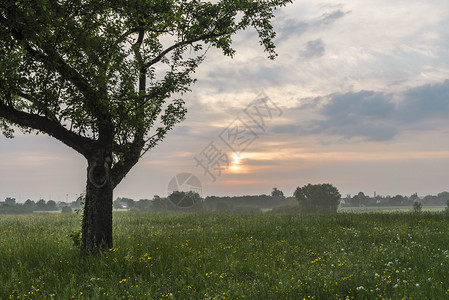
column 428, row 102
column 330, row 18
column 375, row 116
column 289, row 28
column 313, row 49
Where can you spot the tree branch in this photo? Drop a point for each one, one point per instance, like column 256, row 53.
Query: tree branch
column 130, row 155
column 180, row 44
column 52, row 128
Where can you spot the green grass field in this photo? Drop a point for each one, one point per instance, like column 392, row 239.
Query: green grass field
column 207, row 256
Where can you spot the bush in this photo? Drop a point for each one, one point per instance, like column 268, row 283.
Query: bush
column 66, row 210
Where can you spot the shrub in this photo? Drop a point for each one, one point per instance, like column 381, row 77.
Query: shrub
column 66, row 210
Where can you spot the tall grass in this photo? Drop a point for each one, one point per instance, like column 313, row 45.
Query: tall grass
column 209, row 256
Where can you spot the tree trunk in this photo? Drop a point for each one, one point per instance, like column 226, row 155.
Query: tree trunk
column 97, row 218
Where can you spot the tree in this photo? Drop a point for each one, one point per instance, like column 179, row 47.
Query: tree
column 397, row 200
column 41, row 205
column 143, row 204
column 443, row 197
column 29, row 204
column 277, row 193
column 78, row 203
column 130, row 203
column 117, row 204
column 66, row 210
column 319, row 198
column 10, row 201
column 51, row 205
column 103, row 78
column 186, row 200
column 359, row 199
column 159, row 204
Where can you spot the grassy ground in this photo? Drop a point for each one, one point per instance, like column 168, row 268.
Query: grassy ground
column 206, row 256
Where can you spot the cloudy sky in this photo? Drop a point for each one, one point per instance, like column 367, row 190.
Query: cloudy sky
column 358, row 97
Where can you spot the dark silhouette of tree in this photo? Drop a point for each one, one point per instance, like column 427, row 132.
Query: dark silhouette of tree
column 318, row 198
column 277, row 193
column 29, row 204
column 143, row 204
column 101, row 77
column 185, row 200
column 10, row 201
column 159, row 204
column 41, row 205
column 51, row 205
column 398, row 200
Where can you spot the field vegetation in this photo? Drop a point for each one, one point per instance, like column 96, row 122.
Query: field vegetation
column 223, row 256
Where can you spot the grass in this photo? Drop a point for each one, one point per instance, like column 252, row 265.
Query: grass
column 210, row 256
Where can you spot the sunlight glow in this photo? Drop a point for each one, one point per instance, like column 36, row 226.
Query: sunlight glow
column 236, row 164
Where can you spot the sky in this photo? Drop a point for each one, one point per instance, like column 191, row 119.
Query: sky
column 358, row 97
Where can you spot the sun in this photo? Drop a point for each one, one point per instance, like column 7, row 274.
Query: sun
column 236, row 166
column 236, row 157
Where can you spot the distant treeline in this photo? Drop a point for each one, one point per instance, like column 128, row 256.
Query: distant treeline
column 244, row 204
column 363, row 200
column 276, row 202
column 9, row 206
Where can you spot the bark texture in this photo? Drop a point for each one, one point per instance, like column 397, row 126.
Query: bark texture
column 97, row 218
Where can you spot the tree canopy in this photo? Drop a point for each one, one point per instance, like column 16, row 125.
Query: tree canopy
column 319, row 198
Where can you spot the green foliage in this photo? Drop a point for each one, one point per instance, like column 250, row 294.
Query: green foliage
column 41, row 205
column 186, row 200
column 143, row 205
column 30, row 203
column 277, row 193
column 318, row 198
column 79, row 203
column 15, row 209
column 75, row 236
column 10, row 201
column 160, row 204
column 216, row 256
column 66, row 210
column 117, row 205
column 51, row 205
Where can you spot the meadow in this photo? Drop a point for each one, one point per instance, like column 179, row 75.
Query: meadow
column 220, row 256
